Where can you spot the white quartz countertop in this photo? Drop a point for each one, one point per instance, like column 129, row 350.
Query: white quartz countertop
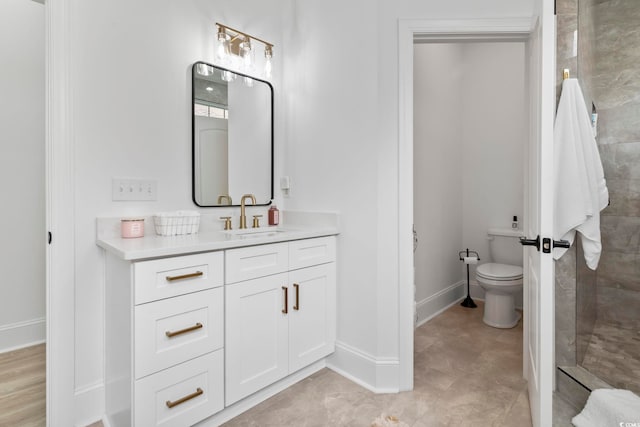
column 153, row 246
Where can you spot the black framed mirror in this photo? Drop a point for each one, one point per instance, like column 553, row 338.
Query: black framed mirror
column 232, row 137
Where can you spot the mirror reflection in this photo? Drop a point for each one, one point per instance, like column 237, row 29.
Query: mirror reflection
column 232, row 137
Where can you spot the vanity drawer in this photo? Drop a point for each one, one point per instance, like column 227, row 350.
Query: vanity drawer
column 169, row 277
column 309, row 252
column 256, row 261
column 173, row 330
column 181, row 395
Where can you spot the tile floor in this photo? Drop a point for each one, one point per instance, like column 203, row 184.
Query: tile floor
column 613, row 354
column 466, row 374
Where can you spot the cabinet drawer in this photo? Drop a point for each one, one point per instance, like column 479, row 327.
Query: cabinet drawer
column 194, row 390
column 169, row 277
column 308, row 252
column 173, row 330
column 256, row 261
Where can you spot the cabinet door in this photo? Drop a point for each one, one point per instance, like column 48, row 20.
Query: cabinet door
column 256, row 334
column 312, row 320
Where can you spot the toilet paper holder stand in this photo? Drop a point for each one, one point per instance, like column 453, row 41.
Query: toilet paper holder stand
column 469, row 257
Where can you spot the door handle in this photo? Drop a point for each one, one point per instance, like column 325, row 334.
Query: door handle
column 531, row 242
column 561, row 244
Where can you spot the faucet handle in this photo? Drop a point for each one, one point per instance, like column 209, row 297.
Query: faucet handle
column 227, row 222
column 256, row 221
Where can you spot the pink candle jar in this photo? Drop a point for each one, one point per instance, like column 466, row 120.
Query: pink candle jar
column 132, row 227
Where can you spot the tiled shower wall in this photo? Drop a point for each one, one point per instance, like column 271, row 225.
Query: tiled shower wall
column 598, row 41
column 617, row 90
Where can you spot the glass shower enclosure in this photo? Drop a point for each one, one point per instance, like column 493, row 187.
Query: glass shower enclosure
column 598, row 312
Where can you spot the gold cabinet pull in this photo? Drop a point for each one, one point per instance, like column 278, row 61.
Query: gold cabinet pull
column 297, row 304
column 196, row 393
column 285, row 310
column 184, row 276
column 183, row 331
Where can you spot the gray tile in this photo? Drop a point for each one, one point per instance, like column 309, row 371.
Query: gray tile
column 614, row 354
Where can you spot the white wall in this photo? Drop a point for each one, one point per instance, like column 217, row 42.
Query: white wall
column 22, row 253
column 470, row 131
column 438, row 176
column 495, row 134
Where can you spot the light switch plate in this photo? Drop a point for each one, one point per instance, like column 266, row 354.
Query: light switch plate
column 134, row 189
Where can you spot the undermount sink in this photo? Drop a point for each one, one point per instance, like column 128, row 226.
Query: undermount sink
column 254, row 232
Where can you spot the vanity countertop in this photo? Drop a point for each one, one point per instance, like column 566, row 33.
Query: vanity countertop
column 153, row 246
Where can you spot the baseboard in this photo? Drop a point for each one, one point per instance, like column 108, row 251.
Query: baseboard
column 379, row 375
column 430, row 307
column 89, row 404
column 22, row 334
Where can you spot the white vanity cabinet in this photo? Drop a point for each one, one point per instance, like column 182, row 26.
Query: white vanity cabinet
column 280, row 312
column 191, row 331
column 164, row 340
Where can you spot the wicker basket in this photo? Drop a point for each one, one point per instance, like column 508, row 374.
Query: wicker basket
column 176, row 223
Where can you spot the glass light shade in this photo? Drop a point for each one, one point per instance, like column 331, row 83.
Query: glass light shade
column 246, row 52
column 268, row 67
column 223, row 49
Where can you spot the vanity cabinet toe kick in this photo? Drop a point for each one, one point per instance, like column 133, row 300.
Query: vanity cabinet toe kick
column 187, row 336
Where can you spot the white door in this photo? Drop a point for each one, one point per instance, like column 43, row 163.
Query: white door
column 211, row 153
column 256, row 335
column 312, row 325
column 538, row 266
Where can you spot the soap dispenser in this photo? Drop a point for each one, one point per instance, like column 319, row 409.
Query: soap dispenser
column 274, row 215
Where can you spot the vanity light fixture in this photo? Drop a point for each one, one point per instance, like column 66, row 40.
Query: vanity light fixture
column 236, row 47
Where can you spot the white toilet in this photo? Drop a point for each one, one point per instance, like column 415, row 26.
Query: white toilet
column 501, row 280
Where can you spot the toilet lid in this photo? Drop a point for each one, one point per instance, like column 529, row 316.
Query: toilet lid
column 495, row 271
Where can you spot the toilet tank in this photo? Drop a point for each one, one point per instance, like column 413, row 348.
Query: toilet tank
column 504, row 246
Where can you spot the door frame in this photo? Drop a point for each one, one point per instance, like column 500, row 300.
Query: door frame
column 410, row 31
column 60, row 212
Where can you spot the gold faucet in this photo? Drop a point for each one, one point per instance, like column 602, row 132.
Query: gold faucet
column 243, row 217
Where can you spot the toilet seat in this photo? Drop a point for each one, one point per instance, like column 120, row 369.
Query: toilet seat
column 495, row 272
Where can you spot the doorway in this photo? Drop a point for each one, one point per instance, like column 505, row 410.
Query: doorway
column 538, row 270
column 470, row 133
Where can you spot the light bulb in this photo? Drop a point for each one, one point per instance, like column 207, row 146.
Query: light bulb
column 246, row 53
column 223, row 45
column 268, row 66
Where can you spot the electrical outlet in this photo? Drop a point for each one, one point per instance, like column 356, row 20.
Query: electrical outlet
column 133, row 189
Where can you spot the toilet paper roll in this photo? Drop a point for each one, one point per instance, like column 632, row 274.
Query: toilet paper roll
column 470, row 260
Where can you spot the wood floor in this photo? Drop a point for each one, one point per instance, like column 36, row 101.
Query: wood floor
column 22, row 387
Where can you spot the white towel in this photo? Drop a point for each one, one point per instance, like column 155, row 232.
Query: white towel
column 580, row 190
column 609, row 407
